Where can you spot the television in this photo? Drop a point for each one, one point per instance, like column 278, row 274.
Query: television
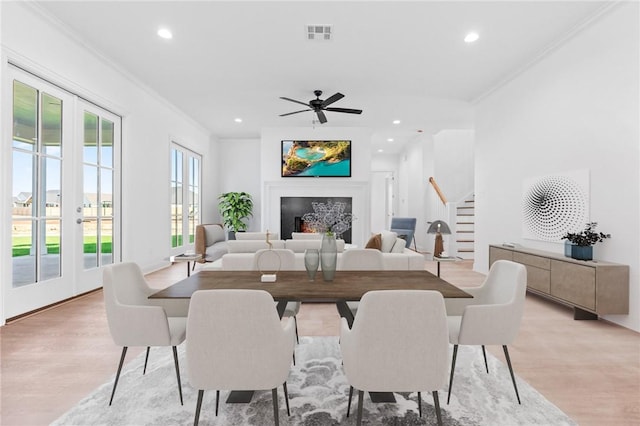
column 316, row 158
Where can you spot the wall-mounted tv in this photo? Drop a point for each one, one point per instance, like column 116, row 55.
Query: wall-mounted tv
column 316, row 158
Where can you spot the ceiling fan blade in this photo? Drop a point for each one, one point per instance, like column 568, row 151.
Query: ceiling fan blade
column 293, row 100
column 347, row 110
column 331, row 99
column 295, row 112
column 321, row 116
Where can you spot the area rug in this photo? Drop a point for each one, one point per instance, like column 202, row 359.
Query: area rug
column 318, row 395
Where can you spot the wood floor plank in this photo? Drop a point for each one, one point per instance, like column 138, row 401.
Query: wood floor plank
column 589, row 369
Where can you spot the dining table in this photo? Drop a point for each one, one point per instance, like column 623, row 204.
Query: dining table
column 346, row 286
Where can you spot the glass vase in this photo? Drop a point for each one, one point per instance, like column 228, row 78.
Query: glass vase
column 311, row 262
column 328, row 256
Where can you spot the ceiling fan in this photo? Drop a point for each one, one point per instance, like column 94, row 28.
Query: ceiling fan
column 318, row 106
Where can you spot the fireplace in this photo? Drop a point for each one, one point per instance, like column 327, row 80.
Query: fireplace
column 293, row 208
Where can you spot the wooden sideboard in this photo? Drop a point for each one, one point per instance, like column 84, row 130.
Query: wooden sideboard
column 592, row 288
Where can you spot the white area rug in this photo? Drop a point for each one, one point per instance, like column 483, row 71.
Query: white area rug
column 318, row 395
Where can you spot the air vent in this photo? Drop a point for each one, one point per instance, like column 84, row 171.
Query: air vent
column 319, row 32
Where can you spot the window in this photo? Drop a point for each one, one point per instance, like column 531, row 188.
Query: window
column 185, row 195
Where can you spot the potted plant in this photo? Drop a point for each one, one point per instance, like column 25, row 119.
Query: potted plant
column 234, row 207
column 582, row 242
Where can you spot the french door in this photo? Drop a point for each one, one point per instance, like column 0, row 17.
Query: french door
column 65, row 193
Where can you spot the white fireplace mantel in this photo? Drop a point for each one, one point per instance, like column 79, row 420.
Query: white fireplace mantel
column 320, row 187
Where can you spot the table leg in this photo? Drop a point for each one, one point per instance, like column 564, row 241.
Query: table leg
column 438, row 268
column 345, row 312
column 239, row 397
column 188, row 268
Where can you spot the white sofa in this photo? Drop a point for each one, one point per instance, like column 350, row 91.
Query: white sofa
column 240, row 254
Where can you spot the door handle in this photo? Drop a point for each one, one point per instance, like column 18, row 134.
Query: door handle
column 79, row 221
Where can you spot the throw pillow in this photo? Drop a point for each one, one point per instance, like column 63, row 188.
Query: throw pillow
column 375, row 242
column 388, row 240
column 399, row 246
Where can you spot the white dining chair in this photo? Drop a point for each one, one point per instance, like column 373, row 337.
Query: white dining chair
column 273, row 260
column 398, row 343
column 237, row 349
column 492, row 317
column 134, row 320
column 360, row 260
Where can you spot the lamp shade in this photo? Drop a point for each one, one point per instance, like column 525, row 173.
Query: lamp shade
column 439, row 226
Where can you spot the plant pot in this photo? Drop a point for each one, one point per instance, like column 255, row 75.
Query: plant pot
column 582, row 252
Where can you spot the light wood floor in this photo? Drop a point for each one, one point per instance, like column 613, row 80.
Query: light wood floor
column 589, row 369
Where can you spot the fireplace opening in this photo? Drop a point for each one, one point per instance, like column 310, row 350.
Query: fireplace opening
column 293, row 208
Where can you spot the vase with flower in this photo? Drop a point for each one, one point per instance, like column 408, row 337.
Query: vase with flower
column 332, row 221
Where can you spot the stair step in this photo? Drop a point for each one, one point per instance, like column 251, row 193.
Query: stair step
column 466, row 250
column 465, row 241
column 464, row 232
column 470, row 201
column 465, row 223
column 465, row 207
column 465, row 214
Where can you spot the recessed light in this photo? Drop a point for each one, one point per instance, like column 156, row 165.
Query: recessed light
column 471, row 37
column 390, row 140
column 238, row 120
column 396, row 121
column 381, row 150
column 165, row 33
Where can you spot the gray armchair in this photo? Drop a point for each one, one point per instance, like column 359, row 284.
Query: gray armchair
column 405, row 227
column 210, row 242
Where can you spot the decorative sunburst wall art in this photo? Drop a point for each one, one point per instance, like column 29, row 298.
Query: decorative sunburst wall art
column 554, row 205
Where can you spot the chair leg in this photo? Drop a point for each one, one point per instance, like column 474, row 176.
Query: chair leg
column 436, row 402
column 513, row 378
column 360, row 398
column 146, row 358
column 420, row 404
column 198, row 407
column 286, row 398
column 217, row 401
column 274, row 396
column 484, row 354
column 295, row 322
column 294, row 357
column 113, row 392
column 453, row 368
column 349, row 403
column 175, row 361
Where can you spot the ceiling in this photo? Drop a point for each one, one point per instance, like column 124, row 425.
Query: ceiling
column 394, row 60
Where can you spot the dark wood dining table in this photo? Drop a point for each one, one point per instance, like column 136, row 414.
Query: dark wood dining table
column 295, row 286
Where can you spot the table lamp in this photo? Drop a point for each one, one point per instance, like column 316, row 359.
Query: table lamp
column 438, row 227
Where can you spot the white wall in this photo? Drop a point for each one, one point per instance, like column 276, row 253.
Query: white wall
column 149, row 124
column 454, row 163
column 577, row 108
column 238, row 163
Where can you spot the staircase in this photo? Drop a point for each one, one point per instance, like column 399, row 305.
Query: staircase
column 465, row 222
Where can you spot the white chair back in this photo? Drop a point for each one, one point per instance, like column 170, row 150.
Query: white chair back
column 361, row 260
column 495, row 317
column 236, row 341
column 398, row 343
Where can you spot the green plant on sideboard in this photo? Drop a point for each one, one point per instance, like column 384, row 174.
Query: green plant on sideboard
column 583, row 241
column 234, row 207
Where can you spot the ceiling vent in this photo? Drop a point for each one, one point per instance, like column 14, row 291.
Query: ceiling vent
column 319, row 32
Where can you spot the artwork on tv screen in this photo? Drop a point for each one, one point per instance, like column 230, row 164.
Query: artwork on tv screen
column 316, row 158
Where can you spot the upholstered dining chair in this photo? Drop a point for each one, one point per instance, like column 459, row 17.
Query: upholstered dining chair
column 492, row 317
column 134, row 321
column 240, row 349
column 360, row 260
column 285, row 260
column 398, row 343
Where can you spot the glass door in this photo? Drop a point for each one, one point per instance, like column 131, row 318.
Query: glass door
column 98, row 185
column 47, row 223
